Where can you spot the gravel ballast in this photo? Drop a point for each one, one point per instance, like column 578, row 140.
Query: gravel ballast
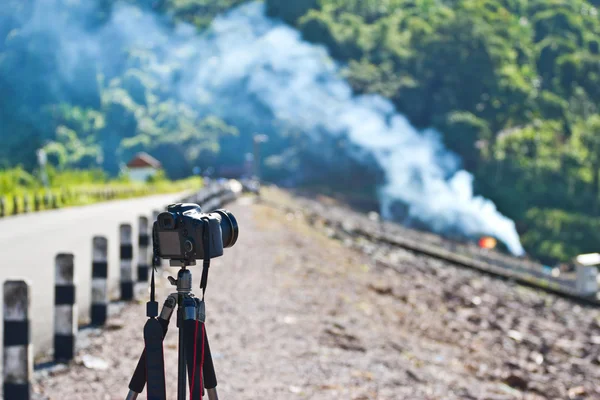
column 293, row 313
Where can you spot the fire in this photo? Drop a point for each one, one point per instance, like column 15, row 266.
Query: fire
column 487, row 242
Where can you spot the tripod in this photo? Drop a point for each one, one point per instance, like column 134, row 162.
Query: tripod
column 194, row 350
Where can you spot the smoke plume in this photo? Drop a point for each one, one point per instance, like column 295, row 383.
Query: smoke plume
column 250, row 68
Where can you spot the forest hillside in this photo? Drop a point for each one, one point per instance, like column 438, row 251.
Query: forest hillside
column 510, row 85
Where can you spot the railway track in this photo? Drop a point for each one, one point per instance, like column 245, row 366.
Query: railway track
column 348, row 225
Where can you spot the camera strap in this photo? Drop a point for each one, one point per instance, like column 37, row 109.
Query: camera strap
column 206, row 263
column 153, row 340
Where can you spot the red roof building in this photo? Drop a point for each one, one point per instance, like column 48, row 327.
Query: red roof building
column 142, row 167
column 144, row 160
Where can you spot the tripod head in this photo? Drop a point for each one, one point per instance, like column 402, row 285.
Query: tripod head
column 183, row 281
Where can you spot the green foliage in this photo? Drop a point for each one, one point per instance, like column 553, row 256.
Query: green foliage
column 15, row 180
column 198, row 12
column 289, row 11
column 160, row 176
column 79, row 187
column 511, row 84
column 558, row 235
column 96, row 118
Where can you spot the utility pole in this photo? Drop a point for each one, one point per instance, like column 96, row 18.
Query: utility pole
column 258, row 139
column 42, row 160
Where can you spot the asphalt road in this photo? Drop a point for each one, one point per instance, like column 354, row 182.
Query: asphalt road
column 29, row 243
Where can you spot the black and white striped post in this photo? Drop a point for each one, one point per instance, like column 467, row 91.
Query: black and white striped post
column 99, row 311
column 26, row 204
column 37, row 202
column 18, row 351
column 143, row 244
column 15, row 205
column 126, row 256
column 65, row 310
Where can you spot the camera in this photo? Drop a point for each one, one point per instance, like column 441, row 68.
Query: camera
column 184, row 233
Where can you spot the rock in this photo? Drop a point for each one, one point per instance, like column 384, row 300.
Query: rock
column 115, row 325
column 338, row 338
column 290, row 320
column 413, row 375
column 516, row 381
column 515, row 335
column 577, row 392
column 382, row 289
column 537, row 357
column 295, row 389
column 92, row 362
column 58, row 369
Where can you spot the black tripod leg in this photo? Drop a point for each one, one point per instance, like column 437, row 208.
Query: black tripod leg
column 155, row 361
column 203, row 354
column 186, row 356
column 210, row 377
column 138, row 380
column 190, row 344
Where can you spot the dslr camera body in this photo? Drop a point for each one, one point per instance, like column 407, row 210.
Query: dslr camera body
column 184, row 234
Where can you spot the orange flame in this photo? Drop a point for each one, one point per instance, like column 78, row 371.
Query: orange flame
column 487, row 242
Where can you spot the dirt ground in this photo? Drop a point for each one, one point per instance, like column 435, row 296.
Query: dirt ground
column 293, row 314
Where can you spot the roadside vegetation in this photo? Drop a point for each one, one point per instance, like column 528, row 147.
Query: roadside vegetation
column 26, row 192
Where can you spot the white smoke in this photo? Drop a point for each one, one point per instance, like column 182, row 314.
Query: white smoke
column 301, row 85
column 246, row 57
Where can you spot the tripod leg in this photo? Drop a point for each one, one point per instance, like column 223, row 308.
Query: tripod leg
column 210, row 377
column 187, row 337
column 138, row 380
column 203, row 354
column 155, row 362
column 193, row 369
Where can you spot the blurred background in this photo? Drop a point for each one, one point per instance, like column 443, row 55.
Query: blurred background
column 469, row 118
column 398, row 142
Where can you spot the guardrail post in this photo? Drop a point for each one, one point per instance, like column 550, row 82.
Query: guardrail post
column 18, row 351
column 126, row 256
column 143, row 243
column 26, row 204
column 15, row 205
column 587, row 281
column 65, row 310
column 99, row 311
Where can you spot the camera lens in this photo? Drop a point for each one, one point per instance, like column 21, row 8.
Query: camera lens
column 229, row 228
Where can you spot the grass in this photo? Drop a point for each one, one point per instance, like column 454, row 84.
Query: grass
column 22, row 191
